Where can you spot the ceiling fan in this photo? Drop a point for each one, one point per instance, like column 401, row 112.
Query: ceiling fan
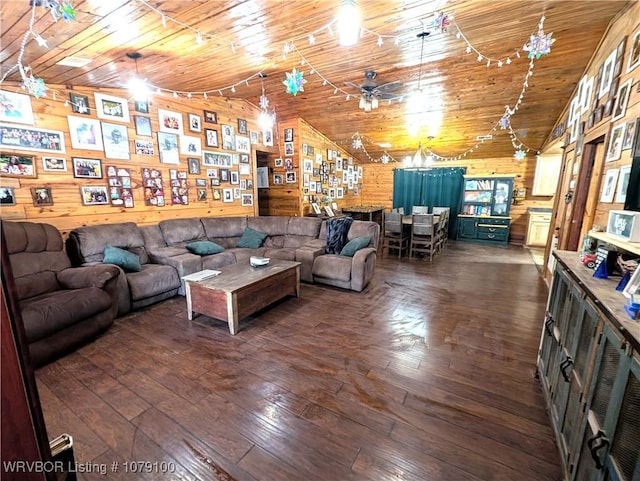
column 371, row 91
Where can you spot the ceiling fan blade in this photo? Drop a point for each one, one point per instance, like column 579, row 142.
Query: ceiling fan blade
column 388, row 96
column 390, row 86
column 352, row 85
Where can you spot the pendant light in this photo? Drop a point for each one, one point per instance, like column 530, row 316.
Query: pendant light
column 137, row 85
column 348, row 23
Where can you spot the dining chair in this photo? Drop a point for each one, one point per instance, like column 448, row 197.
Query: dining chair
column 420, row 209
column 443, row 225
column 398, row 210
column 424, row 238
column 394, row 234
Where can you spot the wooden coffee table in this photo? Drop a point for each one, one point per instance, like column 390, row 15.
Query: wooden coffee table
column 240, row 290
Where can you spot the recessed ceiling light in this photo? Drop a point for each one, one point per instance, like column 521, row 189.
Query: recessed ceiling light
column 384, row 145
column 74, row 62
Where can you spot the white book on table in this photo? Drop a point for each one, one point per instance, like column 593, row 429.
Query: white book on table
column 201, row 275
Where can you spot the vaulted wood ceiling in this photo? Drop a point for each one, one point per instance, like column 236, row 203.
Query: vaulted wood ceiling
column 244, row 38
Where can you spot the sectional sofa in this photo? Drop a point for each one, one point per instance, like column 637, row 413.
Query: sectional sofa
column 164, row 255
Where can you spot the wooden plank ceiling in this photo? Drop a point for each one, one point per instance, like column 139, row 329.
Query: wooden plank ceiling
column 241, row 39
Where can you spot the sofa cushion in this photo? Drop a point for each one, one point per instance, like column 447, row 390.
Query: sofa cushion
column 152, row 280
column 223, row 227
column 35, row 284
column 337, row 230
column 282, row 254
column 217, row 261
column 181, row 231
column 251, row 239
column 122, row 258
column 86, row 244
column 355, row 245
column 304, row 226
column 204, row 248
column 333, row 267
column 49, row 313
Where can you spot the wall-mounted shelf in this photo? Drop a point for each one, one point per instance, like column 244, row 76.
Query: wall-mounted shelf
column 634, row 247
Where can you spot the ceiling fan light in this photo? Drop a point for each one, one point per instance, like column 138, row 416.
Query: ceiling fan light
column 348, row 23
column 374, row 103
column 367, row 106
column 361, row 103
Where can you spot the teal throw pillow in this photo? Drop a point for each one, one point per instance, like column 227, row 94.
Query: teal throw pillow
column 354, row 245
column 122, row 258
column 204, row 248
column 251, row 239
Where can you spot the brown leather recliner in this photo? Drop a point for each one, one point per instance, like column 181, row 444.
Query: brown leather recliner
column 61, row 306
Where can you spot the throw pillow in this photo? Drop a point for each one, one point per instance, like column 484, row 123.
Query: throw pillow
column 337, row 230
column 354, row 245
column 204, row 248
column 122, row 258
column 251, row 239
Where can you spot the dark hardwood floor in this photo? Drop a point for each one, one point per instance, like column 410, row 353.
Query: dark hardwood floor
column 427, row 375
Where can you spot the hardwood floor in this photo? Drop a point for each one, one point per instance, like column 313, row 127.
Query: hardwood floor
column 426, row 375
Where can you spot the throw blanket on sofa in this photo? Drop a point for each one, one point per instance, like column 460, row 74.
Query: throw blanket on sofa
column 337, row 230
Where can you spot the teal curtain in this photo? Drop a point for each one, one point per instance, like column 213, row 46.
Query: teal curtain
column 440, row 187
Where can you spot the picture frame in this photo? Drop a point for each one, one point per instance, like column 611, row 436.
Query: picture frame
column 247, row 200
column 629, row 133
column 210, row 117
column 635, row 150
column 54, row 164
column 279, row 162
column 143, row 125
column 607, row 74
column 288, row 135
column 211, row 138
column 609, row 185
column 79, row 104
column 225, row 175
column 217, row 159
column 195, row 123
column 288, row 148
column 201, row 182
column 243, row 144
column 141, row 106
column 113, row 108
column 290, row 177
column 116, row 141
column 340, row 192
column 329, row 211
column 41, row 196
column 267, row 137
column 228, row 137
column 16, row 108
column 278, row 179
column 38, row 140
column 170, row 122
column 623, row 184
column 85, row 133
column 316, row 208
column 194, row 165
column 94, row 195
column 634, row 52
column 622, row 97
column 144, row 147
column 17, row 165
column 201, row 195
column 307, row 166
column 84, row 168
column 242, row 126
column 7, row 196
column 227, row 195
column 615, row 143
column 254, row 136
column 190, row 145
column 234, row 177
column 168, row 147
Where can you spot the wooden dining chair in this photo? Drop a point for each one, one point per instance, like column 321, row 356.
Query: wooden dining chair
column 420, row 209
column 398, row 210
column 424, row 238
column 394, row 234
column 443, row 225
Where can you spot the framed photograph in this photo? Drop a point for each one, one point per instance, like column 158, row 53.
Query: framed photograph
column 609, row 187
column 307, row 166
column 17, row 165
column 635, row 150
column 340, row 192
column 267, row 137
column 225, row 175
column 85, row 133
column 210, row 117
column 634, row 52
column 201, row 182
column 201, row 195
column 40, row 140
column 288, row 148
column 217, row 159
column 15, row 108
column 615, row 143
column 79, row 103
column 242, row 126
column 168, row 147
column 94, row 195
column 87, row 168
column 623, row 184
column 629, row 132
column 54, row 164
column 116, row 141
column 211, row 138
column 329, row 211
column 111, row 108
column 228, row 137
column 288, row 135
column 243, row 144
column 247, row 200
column 195, row 124
column 41, row 196
column 143, row 125
column 214, row 182
column 141, row 106
column 190, row 145
column 227, row 195
column 194, row 165
column 170, row 122
column 316, row 208
column 622, row 97
column 144, row 147
column 278, row 179
column 279, row 162
column 244, row 158
column 607, row 75
column 235, row 177
column 254, row 136
column 290, row 177
column 7, row 196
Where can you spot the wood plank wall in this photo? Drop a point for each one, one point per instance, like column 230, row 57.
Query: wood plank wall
column 379, row 186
